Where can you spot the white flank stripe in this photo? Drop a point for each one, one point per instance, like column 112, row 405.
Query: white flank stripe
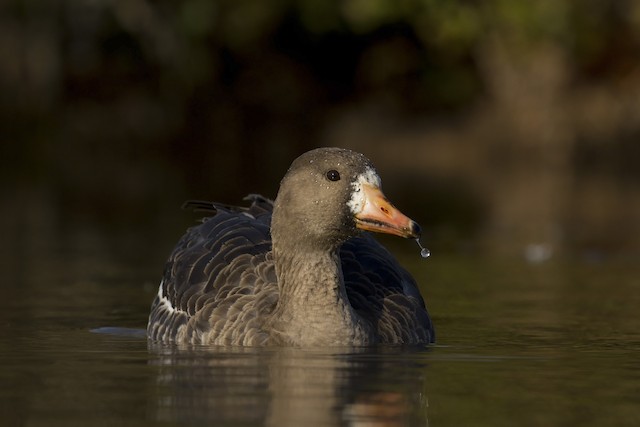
column 164, row 302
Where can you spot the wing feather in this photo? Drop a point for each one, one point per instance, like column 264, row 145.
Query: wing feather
column 217, row 280
column 384, row 293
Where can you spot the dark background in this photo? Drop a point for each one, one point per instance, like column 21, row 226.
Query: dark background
column 508, row 128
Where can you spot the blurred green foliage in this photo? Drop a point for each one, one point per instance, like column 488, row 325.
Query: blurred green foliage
column 137, row 100
column 176, row 47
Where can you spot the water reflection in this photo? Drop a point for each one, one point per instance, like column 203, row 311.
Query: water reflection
column 289, row 386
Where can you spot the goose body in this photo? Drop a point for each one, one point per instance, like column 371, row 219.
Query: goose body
column 296, row 271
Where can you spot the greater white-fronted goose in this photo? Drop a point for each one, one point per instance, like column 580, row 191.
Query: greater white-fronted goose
column 296, row 271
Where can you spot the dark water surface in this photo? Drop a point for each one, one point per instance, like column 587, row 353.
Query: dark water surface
column 551, row 344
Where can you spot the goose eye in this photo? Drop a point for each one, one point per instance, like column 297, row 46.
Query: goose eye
column 333, row 175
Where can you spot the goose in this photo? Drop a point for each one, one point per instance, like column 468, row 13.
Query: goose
column 302, row 270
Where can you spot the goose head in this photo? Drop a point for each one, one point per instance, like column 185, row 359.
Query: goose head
column 328, row 195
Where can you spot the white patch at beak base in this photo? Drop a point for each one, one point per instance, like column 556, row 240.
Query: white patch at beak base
column 357, row 201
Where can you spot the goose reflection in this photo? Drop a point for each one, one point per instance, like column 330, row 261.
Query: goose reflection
column 289, row 386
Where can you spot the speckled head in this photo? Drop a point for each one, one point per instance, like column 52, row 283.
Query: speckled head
column 330, row 193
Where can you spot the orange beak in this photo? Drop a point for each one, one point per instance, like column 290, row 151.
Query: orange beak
column 379, row 215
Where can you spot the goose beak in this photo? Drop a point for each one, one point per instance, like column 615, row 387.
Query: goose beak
column 379, row 215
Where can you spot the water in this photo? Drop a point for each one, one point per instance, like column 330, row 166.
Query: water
column 424, row 252
column 552, row 343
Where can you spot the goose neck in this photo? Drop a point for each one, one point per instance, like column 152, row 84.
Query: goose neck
column 313, row 307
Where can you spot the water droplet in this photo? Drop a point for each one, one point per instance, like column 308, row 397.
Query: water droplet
column 424, row 252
